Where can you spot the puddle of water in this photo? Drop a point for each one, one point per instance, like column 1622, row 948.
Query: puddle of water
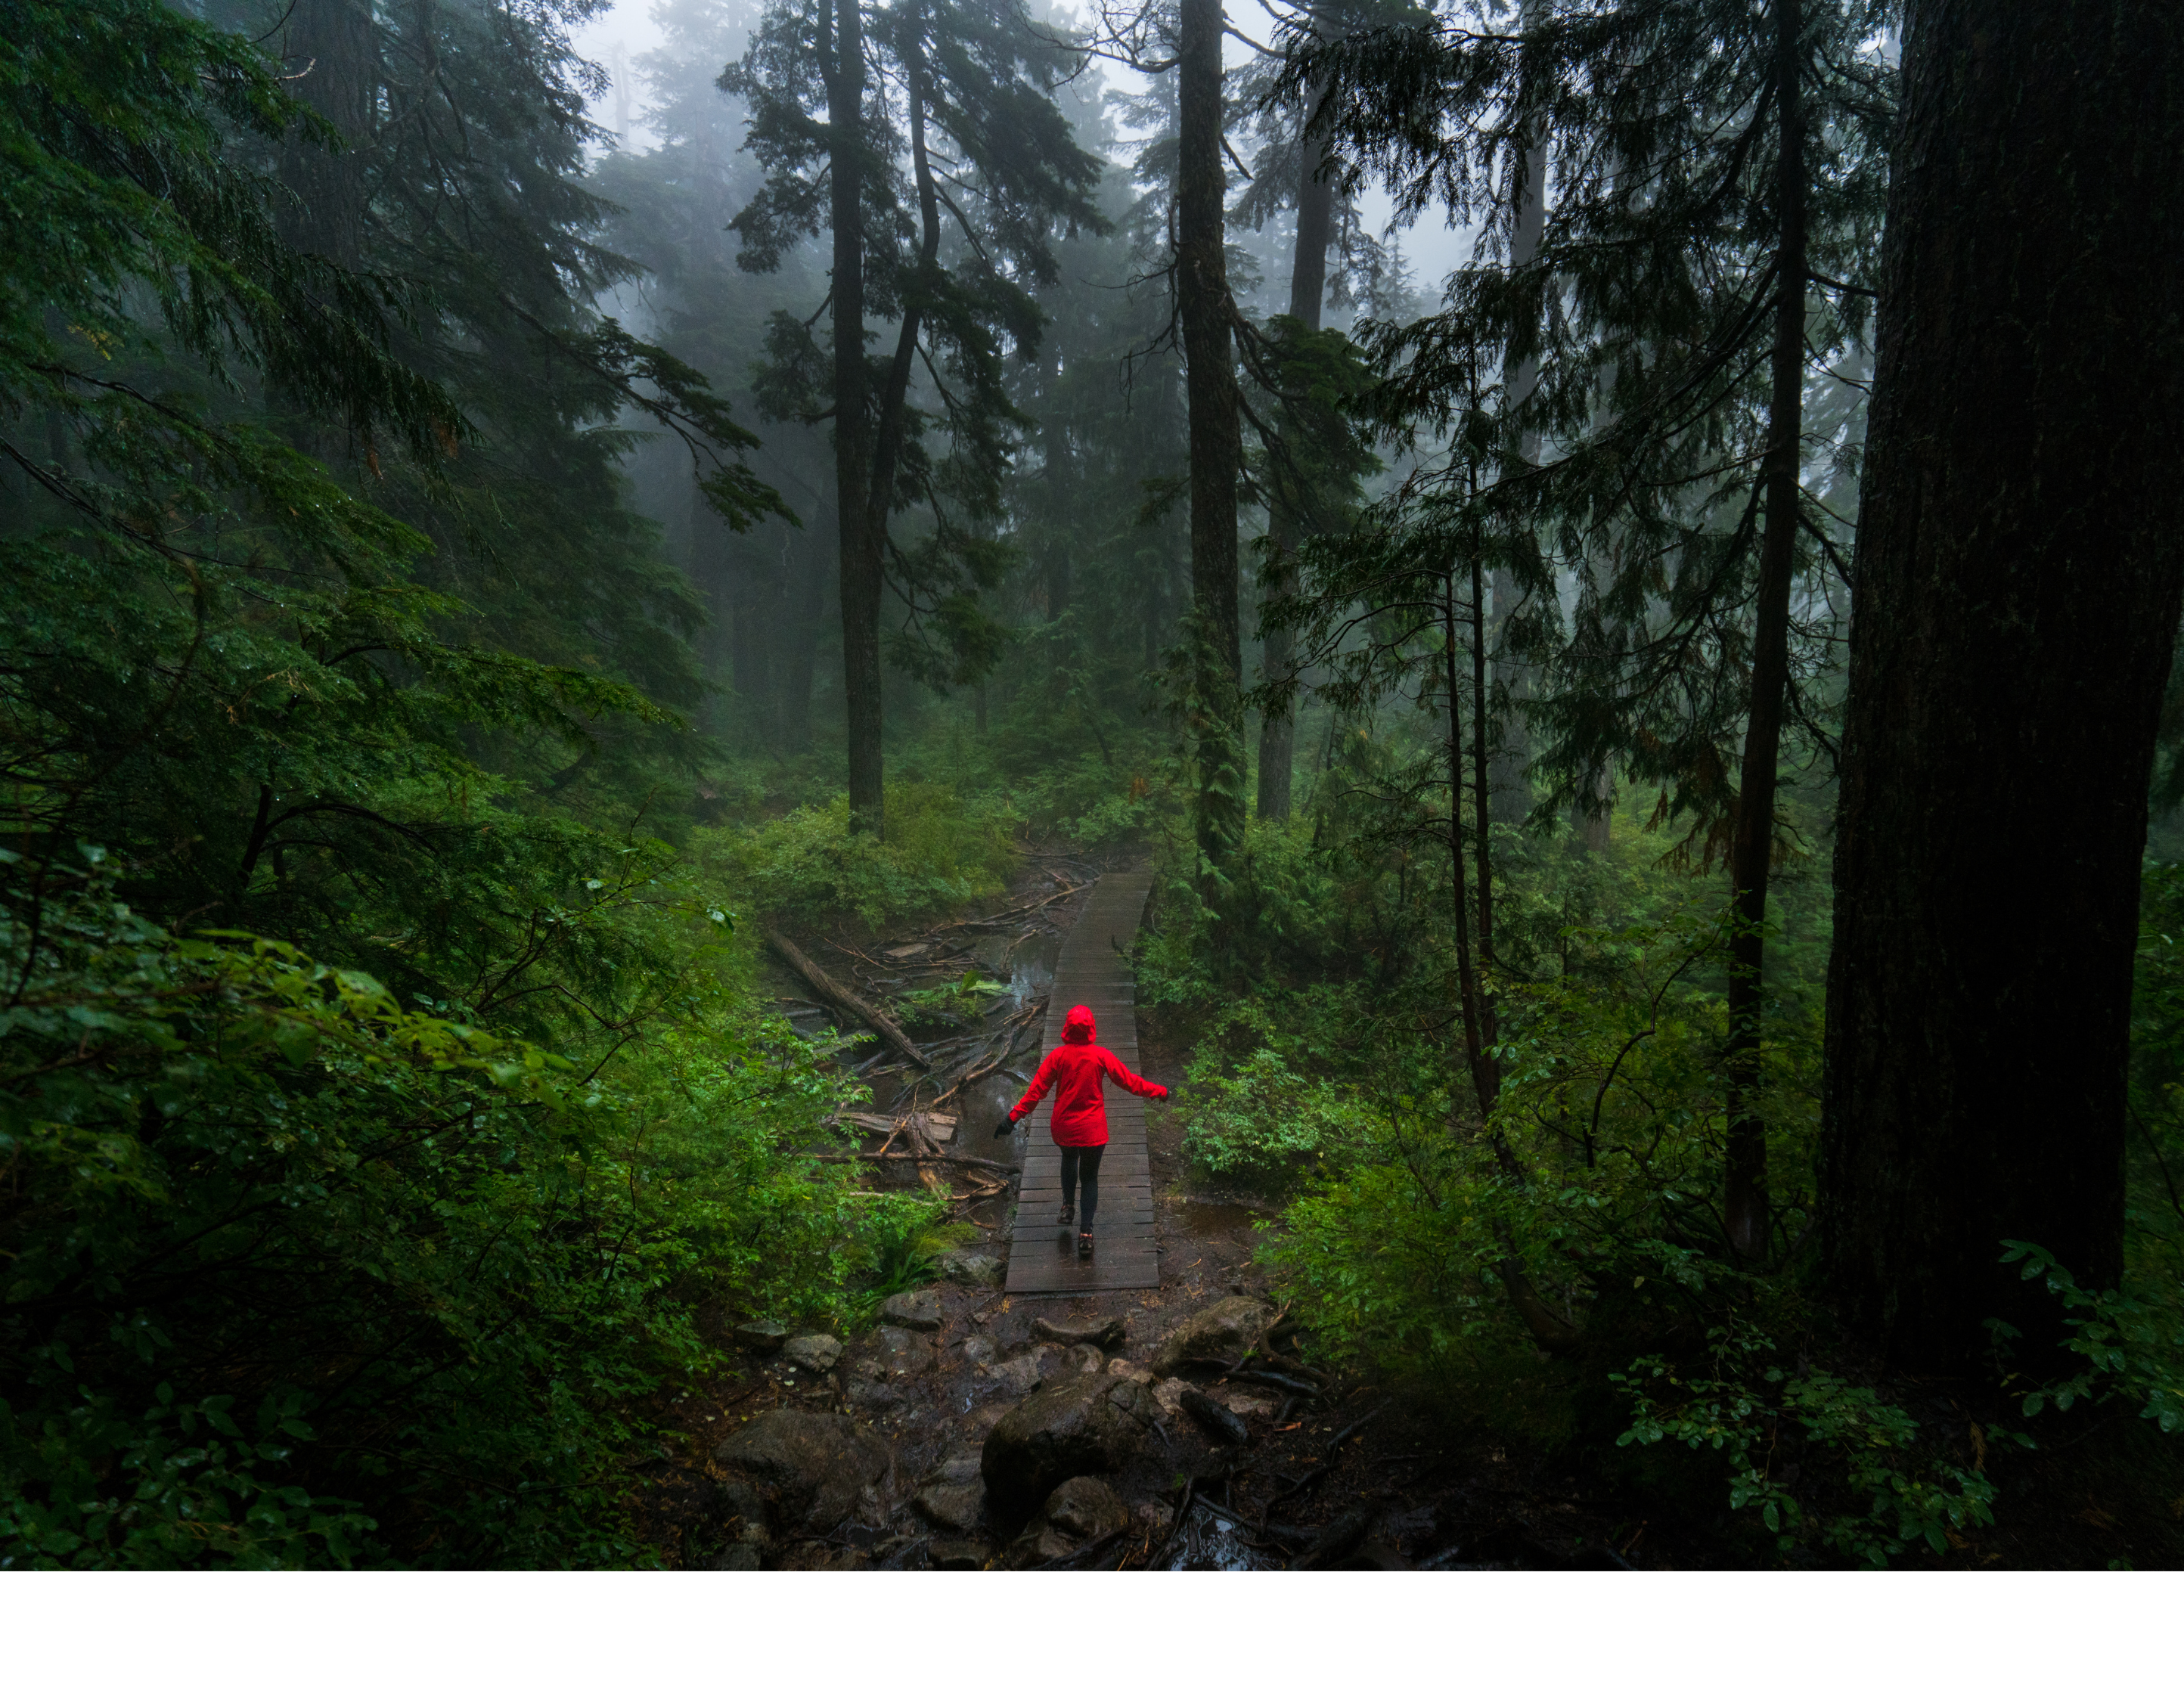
column 1207, row 1542
column 1026, row 958
column 1211, row 1220
column 985, row 1105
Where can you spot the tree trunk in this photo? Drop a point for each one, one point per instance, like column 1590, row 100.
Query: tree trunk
column 331, row 50
column 1054, row 450
column 1751, row 848
column 2017, row 593
column 1216, row 444
column 861, row 538
column 1512, row 754
column 1307, row 290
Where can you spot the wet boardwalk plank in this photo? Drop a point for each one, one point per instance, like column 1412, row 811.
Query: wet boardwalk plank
column 1042, row 1255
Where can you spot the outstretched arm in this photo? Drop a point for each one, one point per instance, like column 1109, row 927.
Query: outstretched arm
column 1131, row 1082
column 1041, row 1081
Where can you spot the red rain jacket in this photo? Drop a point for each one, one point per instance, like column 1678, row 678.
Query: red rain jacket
column 1074, row 1072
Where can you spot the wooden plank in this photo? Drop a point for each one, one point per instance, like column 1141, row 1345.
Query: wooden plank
column 1042, row 1255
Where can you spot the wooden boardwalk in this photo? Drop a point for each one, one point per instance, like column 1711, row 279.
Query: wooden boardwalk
column 1043, row 1255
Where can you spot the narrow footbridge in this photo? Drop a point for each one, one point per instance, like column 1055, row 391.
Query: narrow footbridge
column 1042, row 1253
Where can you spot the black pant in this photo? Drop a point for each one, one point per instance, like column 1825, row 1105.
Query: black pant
column 1085, row 1162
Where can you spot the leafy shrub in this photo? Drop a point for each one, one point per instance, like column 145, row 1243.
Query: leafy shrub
column 298, row 1275
column 1264, row 1124
column 1877, row 1493
column 941, row 850
column 2129, row 1343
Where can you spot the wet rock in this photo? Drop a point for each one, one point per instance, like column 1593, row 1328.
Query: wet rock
column 980, row 1271
column 1220, row 1423
column 740, row 1513
column 815, row 1353
column 918, row 1310
column 950, row 1504
column 1077, row 1426
column 1217, row 1336
column 959, row 1555
column 1152, row 1516
column 1080, row 1511
column 1027, row 1371
column 737, row 1557
column 1085, row 1359
column 979, row 1350
column 761, row 1335
column 906, row 1353
column 984, row 1419
column 1120, row 1366
column 873, row 1396
column 1168, row 1396
column 960, row 1467
column 817, row 1555
column 1099, row 1332
column 813, row 1469
column 1248, row 1405
column 1086, row 1507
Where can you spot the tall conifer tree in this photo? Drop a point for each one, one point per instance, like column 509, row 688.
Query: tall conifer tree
column 923, row 137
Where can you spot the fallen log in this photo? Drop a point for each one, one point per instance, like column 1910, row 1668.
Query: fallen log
column 847, row 1000
column 909, row 1159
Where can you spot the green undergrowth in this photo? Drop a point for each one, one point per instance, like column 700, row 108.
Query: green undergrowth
column 941, row 850
column 301, row 1276
column 1315, row 991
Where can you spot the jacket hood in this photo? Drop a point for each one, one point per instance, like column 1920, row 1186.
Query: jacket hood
column 1078, row 1026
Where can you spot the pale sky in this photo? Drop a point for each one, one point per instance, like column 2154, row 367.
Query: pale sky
column 626, row 31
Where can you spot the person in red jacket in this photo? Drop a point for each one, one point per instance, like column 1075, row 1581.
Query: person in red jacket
column 1075, row 1071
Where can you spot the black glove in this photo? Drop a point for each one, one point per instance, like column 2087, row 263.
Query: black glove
column 1006, row 1128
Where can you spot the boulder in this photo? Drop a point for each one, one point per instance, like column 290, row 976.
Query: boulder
column 1027, row 1371
column 959, row 1555
column 1120, row 1366
column 952, row 1505
column 813, row 1469
column 1085, row 1358
column 868, row 1396
column 739, row 1511
column 736, row 1558
column 980, row 1271
column 815, row 1353
column 1099, row 1332
column 1217, row 1336
column 1080, row 1511
column 1077, row 1426
column 761, row 1335
column 918, row 1310
column 905, row 1353
column 1249, row 1404
column 959, row 1467
column 1168, row 1396
column 979, row 1350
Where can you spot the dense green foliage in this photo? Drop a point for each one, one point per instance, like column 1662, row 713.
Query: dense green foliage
column 422, row 683
column 383, row 1108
